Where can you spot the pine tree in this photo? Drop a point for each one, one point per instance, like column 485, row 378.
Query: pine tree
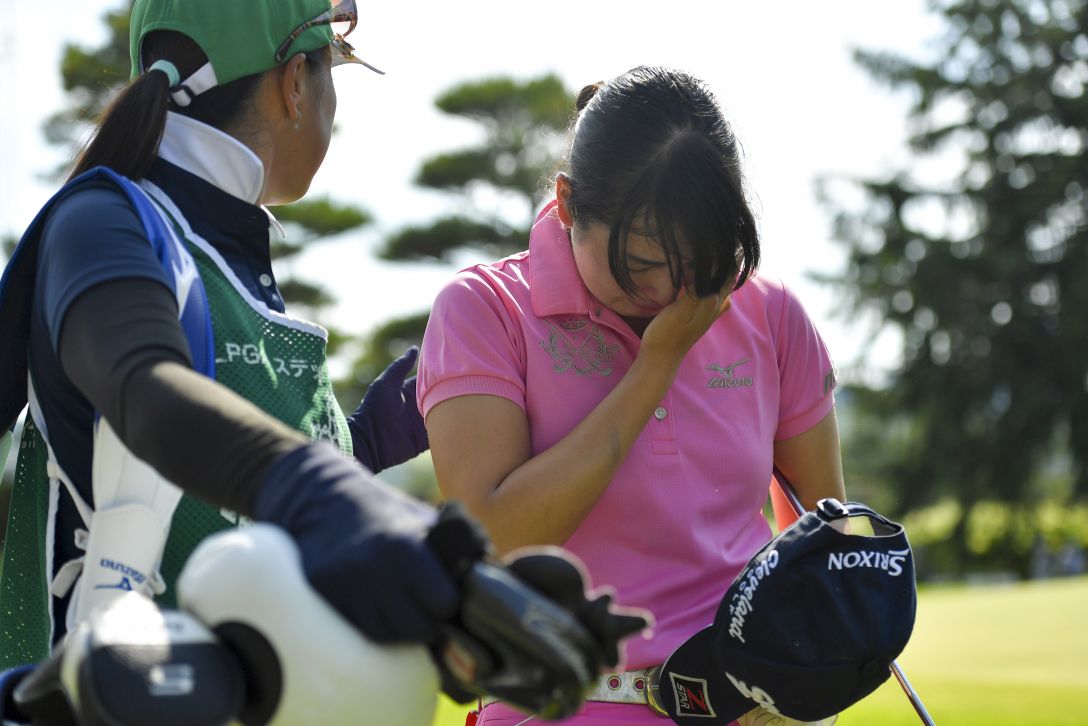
column 983, row 271
column 522, row 124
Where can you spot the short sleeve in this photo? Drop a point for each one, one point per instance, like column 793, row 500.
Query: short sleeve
column 473, row 345
column 806, row 371
column 93, row 235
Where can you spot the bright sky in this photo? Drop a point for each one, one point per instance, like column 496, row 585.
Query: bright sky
column 782, row 70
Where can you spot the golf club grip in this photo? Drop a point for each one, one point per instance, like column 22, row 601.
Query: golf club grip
column 915, row 701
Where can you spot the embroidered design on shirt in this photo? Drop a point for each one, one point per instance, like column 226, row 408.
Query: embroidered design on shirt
column 573, row 324
column 727, row 379
column 592, row 355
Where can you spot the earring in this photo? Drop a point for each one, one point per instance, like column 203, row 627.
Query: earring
column 298, row 121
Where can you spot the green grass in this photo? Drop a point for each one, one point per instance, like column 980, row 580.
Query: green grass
column 995, row 655
column 980, row 656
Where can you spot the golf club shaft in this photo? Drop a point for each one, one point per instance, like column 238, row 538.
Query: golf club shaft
column 912, row 695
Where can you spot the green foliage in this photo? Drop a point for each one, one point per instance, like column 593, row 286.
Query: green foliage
column 443, row 237
column 516, row 155
column 323, row 217
column 521, row 121
column 999, row 536
column 90, row 77
column 872, row 433
column 544, row 101
column 457, row 169
column 382, row 345
column 304, row 293
column 983, row 272
column 306, row 223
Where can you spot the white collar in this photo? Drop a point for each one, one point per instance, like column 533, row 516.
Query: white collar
column 216, row 157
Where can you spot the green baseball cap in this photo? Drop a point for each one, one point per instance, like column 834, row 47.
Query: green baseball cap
column 243, row 37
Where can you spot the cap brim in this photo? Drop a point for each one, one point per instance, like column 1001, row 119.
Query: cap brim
column 344, row 52
column 694, row 691
column 339, row 60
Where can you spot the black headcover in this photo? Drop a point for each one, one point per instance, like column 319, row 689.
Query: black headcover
column 526, row 631
column 808, row 628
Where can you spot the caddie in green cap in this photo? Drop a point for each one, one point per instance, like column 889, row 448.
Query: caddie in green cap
column 171, row 394
column 273, row 32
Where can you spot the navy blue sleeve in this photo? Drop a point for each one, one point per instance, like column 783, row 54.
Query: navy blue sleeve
column 92, row 236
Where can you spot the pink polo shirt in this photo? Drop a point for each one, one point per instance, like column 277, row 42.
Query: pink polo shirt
column 684, row 512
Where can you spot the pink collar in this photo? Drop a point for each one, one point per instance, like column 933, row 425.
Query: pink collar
column 556, row 287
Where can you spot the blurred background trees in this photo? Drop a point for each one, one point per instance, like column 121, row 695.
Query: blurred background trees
column 500, row 184
column 977, row 253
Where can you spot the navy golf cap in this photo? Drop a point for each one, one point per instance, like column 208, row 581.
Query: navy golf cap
column 807, row 629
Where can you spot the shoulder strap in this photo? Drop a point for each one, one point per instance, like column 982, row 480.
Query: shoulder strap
column 193, row 311
column 17, row 291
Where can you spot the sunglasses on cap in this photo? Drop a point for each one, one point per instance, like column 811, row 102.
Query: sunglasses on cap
column 342, row 17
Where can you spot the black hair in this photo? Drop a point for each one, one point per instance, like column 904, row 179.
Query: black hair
column 651, row 152
column 128, row 133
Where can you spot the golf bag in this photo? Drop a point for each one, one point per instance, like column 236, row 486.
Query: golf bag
column 255, row 644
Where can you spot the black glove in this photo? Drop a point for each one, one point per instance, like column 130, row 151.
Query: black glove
column 9, row 681
column 387, row 428
column 560, row 579
column 362, row 544
column 537, row 648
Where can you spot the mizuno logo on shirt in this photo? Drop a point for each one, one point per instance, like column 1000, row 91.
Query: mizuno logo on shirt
column 727, row 379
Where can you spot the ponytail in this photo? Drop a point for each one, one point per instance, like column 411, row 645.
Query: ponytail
column 129, row 130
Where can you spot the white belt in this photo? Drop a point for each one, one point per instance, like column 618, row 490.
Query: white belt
column 632, row 687
column 627, row 687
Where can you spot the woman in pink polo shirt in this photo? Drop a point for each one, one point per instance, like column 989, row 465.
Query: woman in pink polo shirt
column 624, row 387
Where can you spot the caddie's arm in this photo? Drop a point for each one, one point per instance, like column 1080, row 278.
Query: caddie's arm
column 362, row 543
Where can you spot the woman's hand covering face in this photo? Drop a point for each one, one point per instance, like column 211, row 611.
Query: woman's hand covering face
column 681, row 323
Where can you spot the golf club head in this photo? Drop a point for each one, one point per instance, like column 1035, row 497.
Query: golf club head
column 132, row 664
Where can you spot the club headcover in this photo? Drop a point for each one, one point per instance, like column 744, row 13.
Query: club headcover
column 525, row 633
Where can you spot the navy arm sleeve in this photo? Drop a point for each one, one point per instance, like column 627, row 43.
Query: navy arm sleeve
column 122, row 346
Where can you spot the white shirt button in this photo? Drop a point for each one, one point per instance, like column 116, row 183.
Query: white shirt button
column 265, row 279
column 660, row 413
